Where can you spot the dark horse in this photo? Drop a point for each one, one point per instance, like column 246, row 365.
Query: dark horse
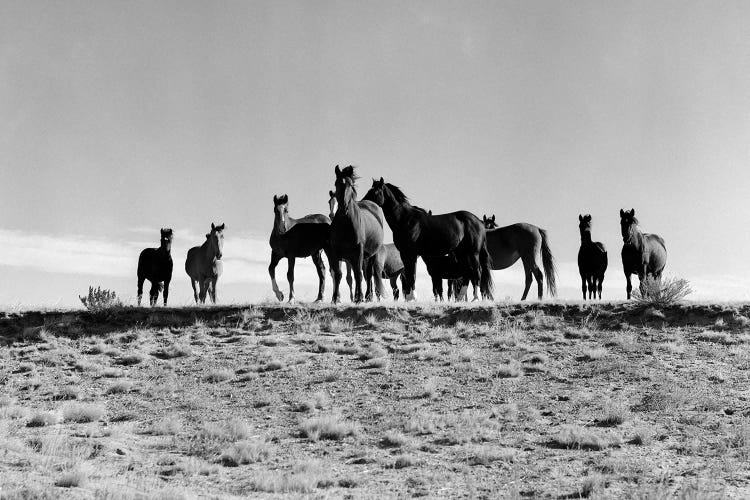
column 592, row 259
column 204, row 266
column 446, row 267
column 356, row 234
column 155, row 265
column 416, row 233
column 642, row 253
column 526, row 242
column 292, row 238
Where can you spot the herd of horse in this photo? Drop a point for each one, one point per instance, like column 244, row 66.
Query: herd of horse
column 457, row 247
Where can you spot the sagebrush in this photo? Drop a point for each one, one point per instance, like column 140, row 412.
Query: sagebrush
column 98, row 299
column 660, row 293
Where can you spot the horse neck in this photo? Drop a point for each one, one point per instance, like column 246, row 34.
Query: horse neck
column 636, row 237
column 163, row 249
column 290, row 223
column 349, row 208
column 586, row 237
column 395, row 212
column 208, row 254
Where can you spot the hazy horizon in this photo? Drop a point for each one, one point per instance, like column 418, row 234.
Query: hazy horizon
column 117, row 119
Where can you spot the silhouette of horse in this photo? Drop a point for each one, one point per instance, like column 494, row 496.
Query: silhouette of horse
column 293, row 238
column 446, row 267
column 155, row 265
column 204, row 266
column 526, row 242
column 592, row 259
column 356, row 234
column 416, row 233
column 389, row 256
column 642, row 253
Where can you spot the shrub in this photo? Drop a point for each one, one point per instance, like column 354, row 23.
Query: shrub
column 82, row 413
column 327, row 427
column 100, row 300
column 661, row 293
column 246, row 452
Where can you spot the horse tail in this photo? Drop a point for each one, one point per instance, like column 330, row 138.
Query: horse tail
column 549, row 265
column 486, row 285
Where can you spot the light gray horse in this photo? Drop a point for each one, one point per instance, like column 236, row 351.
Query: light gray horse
column 389, row 258
column 642, row 253
column 204, row 266
column 356, row 234
column 526, row 242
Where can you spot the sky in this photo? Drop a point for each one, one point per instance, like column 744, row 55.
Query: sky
column 119, row 118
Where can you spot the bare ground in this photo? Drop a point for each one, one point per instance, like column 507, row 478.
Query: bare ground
column 488, row 401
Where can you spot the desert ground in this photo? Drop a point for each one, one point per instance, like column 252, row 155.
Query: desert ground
column 539, row 400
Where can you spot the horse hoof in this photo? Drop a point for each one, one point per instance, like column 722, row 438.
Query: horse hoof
column 280, row 296
column 291, row 301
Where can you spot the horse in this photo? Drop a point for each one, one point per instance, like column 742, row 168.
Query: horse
column 356, row 234
column 526, row 242
column 388, row 256
column 203, row 264
column 292, row 238
column 642, row 253
column 155, row 265
column 592, row 259
column 416, row 233
column 446, row 267
column 393, row 267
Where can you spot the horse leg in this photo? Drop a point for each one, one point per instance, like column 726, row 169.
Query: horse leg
column 195, row 292
column 629, row 286
column 335, row 264
column 349, row 280
column 394, row 287
column 290, row 276
column 367, row 270
column 410, row 271
column 377, row 273
column 213, row 289
column 140, row 289
column 275, row 258
column 357, row 267
column 592, row 287
column 203, row 284
column 153, row 294
column 321, row 267
column 583, row 286
column 437, row 288
column 529, row 278
column 166, row 292
column 599, row 285
column 539, row 281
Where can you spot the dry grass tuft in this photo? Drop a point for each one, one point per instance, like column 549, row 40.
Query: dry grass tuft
column 66, row 394
column 82, row 413
column 167, row 426
column 176, row 350
column 43, row 419
column 327, row 427
column 509, row 370
column 594, row 353
column 246, row 452
column 487, row 454
column 131, row 359
column 575, row 436
column 71, row 479
column 660, row 294
column 119, row 387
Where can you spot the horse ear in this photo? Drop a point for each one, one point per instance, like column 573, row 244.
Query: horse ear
column 220, row 228
column 493, row 218
column 331, row 194
column 275, row 200
column 622, row 213
column 382, row 181
column 580, row 218
column 213, row 227
column 484, row 217
column 338, row 171
column 285, row 198
column 632, row 212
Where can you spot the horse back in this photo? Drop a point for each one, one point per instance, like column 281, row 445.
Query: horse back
column 192, row 267
column 657, row 252
column 393, row 262
column 314, row 219
column 154, row 265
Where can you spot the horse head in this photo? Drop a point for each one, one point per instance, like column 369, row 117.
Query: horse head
column 489, row 222
column 216, row 241
column 376, row 194
column 281, row 212
column 628, row 224
column 166, row 239
column 584, row 223
column 345, row 184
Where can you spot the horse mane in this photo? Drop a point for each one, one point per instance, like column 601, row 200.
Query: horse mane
column 421, row 209
column 350, row 172
column 399, row 195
